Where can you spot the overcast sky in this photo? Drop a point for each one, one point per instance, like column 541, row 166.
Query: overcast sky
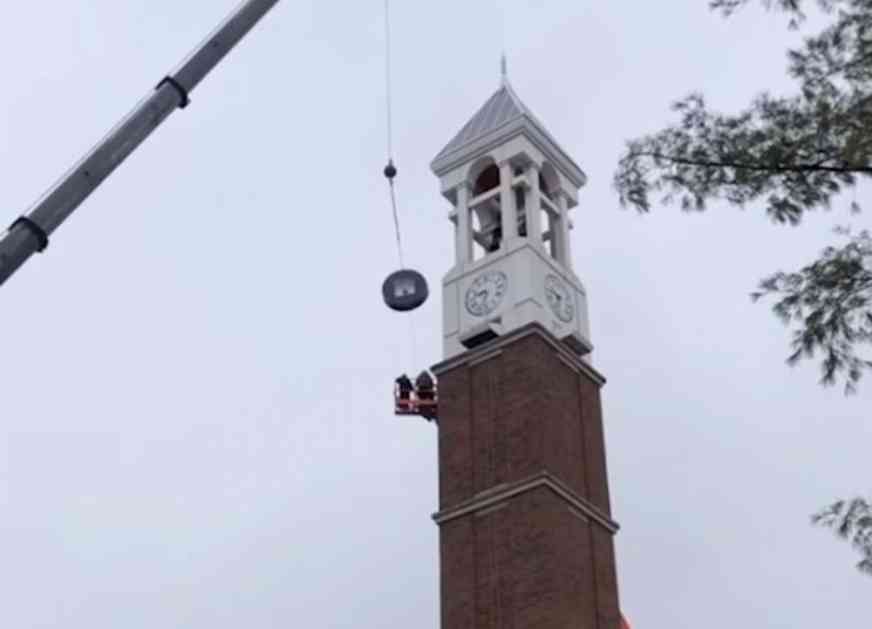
column 196, row 424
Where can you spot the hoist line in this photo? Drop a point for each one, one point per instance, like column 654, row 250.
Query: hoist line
column 388, row 81
column 390, row 169
column 414, row 342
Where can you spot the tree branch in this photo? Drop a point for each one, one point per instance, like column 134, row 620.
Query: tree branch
column 772, row 168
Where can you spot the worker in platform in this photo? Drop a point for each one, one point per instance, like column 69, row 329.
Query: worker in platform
column 425, row 388
column 404, row 387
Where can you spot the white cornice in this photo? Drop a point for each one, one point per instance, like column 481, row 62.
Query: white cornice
column 563, row 352
column 525, row 125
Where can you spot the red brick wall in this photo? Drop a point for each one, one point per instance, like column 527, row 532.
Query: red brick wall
column 529, row 412
column 532, row 561
column 531, row 564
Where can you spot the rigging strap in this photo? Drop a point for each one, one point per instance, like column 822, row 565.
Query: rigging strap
column 396, row 219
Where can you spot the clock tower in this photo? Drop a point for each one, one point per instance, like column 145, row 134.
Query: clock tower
column 511, row 187
column 526, row 531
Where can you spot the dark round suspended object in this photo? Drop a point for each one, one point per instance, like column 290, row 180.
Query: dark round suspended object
column 390, row 170
column 405, row 290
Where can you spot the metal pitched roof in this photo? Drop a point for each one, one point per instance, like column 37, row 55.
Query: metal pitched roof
column 500, row 108
column 504, row 111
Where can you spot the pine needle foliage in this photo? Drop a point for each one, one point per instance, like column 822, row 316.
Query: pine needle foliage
column 830, row 301
column 852, row 521
column 789, row 156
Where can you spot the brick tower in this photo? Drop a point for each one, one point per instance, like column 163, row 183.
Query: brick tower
column 525, row 523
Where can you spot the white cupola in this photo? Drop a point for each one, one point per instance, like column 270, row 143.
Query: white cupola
column 511, row 187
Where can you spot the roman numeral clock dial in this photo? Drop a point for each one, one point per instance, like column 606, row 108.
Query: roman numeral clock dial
column 559, row 299
column 486, row 293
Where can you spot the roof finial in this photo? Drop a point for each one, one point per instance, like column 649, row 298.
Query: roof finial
column 504, row 67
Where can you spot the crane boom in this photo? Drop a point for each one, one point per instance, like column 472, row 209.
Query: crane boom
column 30, row 233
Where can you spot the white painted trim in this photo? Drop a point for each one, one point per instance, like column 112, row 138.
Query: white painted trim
column 501, row 497
column 486, row 357
column 500, row 343
column 578, row 514
column 508, row 211
column 533, row 208
column 463, row 236
column 548, row 205
column 522, row 125
column 489, row 510
column 572, row 366
column 484, row 196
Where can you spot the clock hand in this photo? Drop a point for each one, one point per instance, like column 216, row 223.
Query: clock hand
column 478, row 298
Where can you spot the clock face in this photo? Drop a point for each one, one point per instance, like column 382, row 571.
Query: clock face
column 486, row 293
column 559, row 298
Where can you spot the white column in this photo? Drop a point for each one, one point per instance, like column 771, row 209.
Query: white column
column 463, row 233
column 533, row 206
column 508, row 210
column 565, row 233
column 556, row 229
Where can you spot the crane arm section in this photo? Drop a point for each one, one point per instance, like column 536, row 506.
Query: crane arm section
column 30, row 233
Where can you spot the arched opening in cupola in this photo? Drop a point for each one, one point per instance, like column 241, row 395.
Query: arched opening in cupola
column 486, row 220
column 487, row 180
column 549, row 180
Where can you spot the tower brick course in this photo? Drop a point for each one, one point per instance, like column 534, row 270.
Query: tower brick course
column 525, row 523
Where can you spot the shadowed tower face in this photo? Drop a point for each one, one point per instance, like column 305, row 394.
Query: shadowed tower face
column 525, row 522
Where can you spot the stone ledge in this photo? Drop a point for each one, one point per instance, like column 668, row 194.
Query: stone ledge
column 531, row 329
column 501, row 493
